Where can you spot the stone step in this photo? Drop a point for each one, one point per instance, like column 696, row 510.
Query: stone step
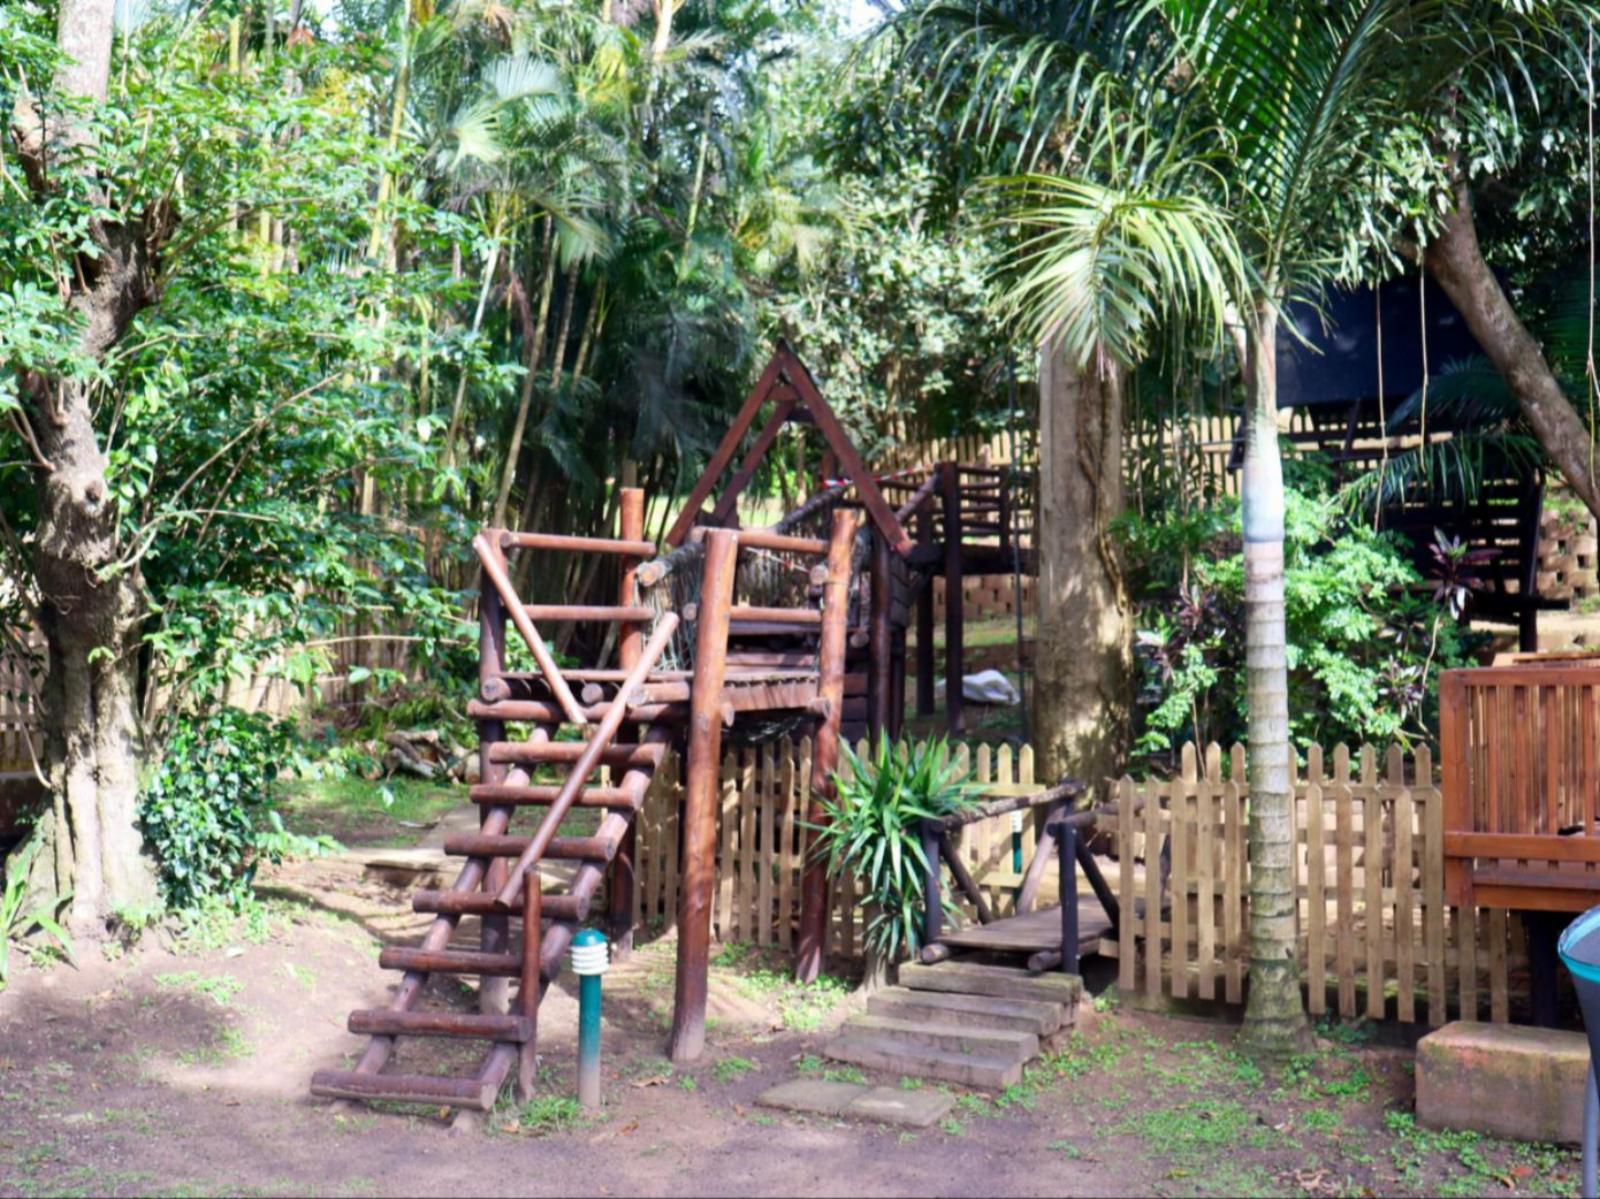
column 987, row 1071
column 997, row 982
column 1024, row 1015
column 994, row 1042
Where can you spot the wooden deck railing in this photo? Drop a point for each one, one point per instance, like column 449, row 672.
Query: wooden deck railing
column 1520, row 751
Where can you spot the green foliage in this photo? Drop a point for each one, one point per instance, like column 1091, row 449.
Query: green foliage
column 22, row 916
column 210, row 809
column 872, row 829
column 1366, row 639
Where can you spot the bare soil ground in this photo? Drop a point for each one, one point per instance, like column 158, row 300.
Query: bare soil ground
column 182, row 1068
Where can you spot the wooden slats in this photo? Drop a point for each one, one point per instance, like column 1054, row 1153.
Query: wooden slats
column 451, row 961
column 471, row 1093
column 565, row 752
column 1374, row 933
column 579, row 545
column 554, row 907
column 562, row 849
column 588, row 797
column 609, row 612
column 745, row 614
column 384, row 1023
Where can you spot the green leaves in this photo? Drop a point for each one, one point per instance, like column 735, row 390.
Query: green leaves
column 209, row 811
column 22, row 919
column 872, row 829
column 1099, row 269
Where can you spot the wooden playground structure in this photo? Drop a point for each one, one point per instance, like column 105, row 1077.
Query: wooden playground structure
column 729, row 631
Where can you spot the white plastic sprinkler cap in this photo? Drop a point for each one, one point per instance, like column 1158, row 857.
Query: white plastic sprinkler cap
column 590, row 953
column 1016, row 821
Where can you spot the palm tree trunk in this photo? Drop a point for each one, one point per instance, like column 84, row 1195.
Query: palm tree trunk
column 1083, row 649
column 525, row 400
column 1275, row 1022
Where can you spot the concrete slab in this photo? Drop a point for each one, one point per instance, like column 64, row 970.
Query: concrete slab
column 1506, row 1080
column 812, row 1095
column 912, row 1109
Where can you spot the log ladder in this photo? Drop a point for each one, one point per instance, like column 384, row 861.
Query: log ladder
column 500, row 880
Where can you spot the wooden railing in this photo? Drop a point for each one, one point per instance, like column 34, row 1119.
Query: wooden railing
column 1520, row 750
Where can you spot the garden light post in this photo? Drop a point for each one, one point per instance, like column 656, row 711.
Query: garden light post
column 589, row 961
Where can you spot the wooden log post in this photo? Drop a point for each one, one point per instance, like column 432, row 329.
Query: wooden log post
column 813, row 942
column 1067, row 855
column 700, row 803
column 629, row 646
column 954, row 666
column 493, row 993
column 932, row 891
column 528, row 995
column 880, row 650
column 925, row 620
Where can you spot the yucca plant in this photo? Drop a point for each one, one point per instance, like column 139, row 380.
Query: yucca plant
column 19, row 919
column 872, row 830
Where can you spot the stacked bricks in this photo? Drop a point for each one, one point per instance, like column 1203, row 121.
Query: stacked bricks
column 986, row 597
column 1567, row 553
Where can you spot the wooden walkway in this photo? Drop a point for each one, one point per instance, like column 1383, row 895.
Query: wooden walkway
column 1033, row 931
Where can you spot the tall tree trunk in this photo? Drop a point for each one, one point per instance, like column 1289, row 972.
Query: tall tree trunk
column 1455, row 259
column 534, row 353
column 1274, row 1022
column 90, row 609
column 1083, row 649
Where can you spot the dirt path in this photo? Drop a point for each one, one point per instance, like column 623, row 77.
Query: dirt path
column 183, row 1069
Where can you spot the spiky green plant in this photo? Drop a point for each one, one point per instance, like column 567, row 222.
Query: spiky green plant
column 19, row 918
column 872, row 830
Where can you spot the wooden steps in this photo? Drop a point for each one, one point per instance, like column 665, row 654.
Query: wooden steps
column 992, row 1073
column 959, row 1022
column 1025, row 1015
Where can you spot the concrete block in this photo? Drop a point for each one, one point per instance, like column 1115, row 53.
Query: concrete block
column 1506, row 1080
column 913, row 1109
column 812, row 1095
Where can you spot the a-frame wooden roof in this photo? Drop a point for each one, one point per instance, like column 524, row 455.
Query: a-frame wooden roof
column 788, row 382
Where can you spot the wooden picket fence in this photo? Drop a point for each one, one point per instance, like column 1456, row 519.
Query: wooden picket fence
column 761, row 845
column 1375, row 936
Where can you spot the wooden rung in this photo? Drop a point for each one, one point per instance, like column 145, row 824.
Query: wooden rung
column 562, row 849
column 381, row 1022
column 477, row 1094
column 627, row 756
column 589, row 797
column 776, row 615
column 588, row 612
column 585, row 545
column 451, row 961
column 476, row 903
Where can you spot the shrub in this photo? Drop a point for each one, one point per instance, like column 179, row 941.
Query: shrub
column 210, row 813
column 872, row 831
column 1366, row 637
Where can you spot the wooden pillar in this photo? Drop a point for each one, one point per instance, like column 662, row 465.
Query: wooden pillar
column 493, row 993
column 897, row 690
column 880, row 650
column 528, row 996
column 925, row 619
column 954, row 666
column 700, row 803
column 825, row 744
column 629, row 647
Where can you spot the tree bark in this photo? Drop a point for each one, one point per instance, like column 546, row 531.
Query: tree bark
column 1455, row 259
column 1083, row 649
column 535, row 351
column 1274, row 1021
column 90, row 609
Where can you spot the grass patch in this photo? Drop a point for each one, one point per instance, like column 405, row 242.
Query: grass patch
column 547, row 1114
column 220, row 988
column 727, row 1069
column 1192, row 1128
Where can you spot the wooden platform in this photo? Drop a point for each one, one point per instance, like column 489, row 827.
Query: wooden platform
column 1033, row 931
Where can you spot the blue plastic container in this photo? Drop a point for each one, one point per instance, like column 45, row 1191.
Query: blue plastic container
column 1580, row 952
